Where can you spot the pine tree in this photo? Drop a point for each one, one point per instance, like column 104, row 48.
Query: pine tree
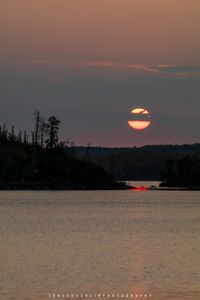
column 36, row 125
column 52, row 130
column 42, row 131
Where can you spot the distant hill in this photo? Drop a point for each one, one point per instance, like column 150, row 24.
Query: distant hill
column 159, row 148
column 137, row 163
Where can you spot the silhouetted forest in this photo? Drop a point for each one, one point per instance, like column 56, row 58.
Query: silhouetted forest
column 184, row 172
column 143, row 163
column 38, row 160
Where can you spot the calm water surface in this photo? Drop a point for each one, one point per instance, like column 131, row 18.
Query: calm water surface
column 100, row 242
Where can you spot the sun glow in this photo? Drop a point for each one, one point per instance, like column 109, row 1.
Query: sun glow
column 140, row 111
column 140, row 119
column 139, row 125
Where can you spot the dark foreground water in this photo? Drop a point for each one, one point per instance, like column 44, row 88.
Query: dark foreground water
column 100, row 245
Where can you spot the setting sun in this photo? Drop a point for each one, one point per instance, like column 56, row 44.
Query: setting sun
column 140, row 119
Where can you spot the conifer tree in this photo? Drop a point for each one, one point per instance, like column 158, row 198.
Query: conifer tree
column 52, row 130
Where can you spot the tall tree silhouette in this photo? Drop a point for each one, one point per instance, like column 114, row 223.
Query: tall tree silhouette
column 36, row 125
column 42, row 131
column 52, row 130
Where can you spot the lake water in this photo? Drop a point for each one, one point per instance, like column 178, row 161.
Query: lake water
column 100, row 245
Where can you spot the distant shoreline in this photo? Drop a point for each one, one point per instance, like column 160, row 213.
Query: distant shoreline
column 21, row 187
column 166, row 188
column 62, row 187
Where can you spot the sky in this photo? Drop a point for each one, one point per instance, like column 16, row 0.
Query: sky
column 90, row 62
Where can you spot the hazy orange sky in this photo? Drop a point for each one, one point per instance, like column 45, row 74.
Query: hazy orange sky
column 139, row 31
column 94, row 58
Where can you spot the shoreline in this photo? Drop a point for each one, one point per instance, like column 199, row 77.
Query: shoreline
column 62, row 187
column 166, row 188
column 38, row 186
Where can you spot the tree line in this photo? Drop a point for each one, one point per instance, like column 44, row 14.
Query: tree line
column 175, row 165
column 184, row 172
column 44, row 134
column 42, row 162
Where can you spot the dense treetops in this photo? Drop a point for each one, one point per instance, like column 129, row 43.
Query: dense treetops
column 140, row 163
column 184, row 172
